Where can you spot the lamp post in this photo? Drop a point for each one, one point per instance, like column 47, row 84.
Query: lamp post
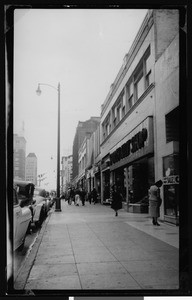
column 58, row 203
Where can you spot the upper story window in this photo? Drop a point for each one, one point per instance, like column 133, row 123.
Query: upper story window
column 118, row 112
column 106, row 126
column 140, row 79
column 114, row 116
column 172, row 125
column 123, row 105
column 139, row 82
column 130, row 93
column 148, row 66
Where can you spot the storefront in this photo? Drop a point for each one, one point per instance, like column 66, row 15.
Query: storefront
column 171, row 188
column 106, row 180
column 88, row 181
column 82, row 181
column 132, row 163
column 97, row 180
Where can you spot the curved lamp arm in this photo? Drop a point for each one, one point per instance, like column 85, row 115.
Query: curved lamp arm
column 38, row 91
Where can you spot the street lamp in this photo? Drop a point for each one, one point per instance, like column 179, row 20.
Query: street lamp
column 38, row 91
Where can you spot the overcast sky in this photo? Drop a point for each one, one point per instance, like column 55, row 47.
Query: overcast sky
column 83, row 49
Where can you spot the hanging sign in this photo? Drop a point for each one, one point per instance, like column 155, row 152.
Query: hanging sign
column 174, row 179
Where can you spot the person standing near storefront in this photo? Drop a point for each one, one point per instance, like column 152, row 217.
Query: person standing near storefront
column 82, row 196
column 116, row 200
column 155, row 201
column 94, row 195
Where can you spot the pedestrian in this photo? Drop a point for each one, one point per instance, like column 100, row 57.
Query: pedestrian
column 116, row 200
column 94, row 195
column 89, row 197
column 72, row 195
column 69, row 196
column 82, row 195
column 155, row 201
column 77, row 197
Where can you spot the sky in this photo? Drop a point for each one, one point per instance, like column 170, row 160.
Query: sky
column 83, row 50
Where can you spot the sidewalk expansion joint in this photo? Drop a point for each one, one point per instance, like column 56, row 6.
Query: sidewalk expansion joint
column 74, row 256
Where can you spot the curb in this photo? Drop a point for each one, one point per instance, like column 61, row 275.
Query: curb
column 23, row 274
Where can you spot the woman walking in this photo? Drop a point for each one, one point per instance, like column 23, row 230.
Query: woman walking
column 155, row 201
column 116, row 200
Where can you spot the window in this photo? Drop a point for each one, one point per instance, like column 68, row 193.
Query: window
column 130, row 93
column 123, row 105
column 140, row 79
column 114, row 113
column 172, row 125
column 148, row 65
column 118, row 113
column 139, row 82
column 106, row 127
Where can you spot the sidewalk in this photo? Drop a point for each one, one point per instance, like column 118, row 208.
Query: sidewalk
column 87, row 247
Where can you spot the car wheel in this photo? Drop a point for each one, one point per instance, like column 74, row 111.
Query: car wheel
column 42, row 216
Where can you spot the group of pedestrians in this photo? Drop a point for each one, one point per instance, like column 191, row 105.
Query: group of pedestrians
column 154, row 199
column 79, row 195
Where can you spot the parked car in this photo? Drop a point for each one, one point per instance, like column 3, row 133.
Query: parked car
column 21, row 221
column 50, row 199
column 25, row 192
column 40, row 206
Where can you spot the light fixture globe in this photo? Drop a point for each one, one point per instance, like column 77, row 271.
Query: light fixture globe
column 38, row 91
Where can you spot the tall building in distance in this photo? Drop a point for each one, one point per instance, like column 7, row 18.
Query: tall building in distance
column 66, row 171
column 31, row 168
column 19, row 150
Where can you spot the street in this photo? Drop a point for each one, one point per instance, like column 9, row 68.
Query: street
column 87, row 247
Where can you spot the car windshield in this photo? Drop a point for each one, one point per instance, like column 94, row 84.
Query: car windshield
column 39, row 192
column 25, row 191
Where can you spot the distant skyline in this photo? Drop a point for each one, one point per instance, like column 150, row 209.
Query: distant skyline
column 83, row 49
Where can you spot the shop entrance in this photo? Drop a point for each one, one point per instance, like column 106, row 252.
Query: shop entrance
column 120, row 182
column 140, row 178
column 106, row 185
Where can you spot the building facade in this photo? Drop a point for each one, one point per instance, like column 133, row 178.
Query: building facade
column 31, row 168
column 83, row 129
column 66, row 173
column 19, row 153
column 82, row 162
column 139, row 118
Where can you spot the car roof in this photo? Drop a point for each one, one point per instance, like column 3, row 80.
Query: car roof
column 39, row 188
column 22, row 182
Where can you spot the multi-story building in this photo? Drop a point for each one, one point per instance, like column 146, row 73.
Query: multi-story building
column 31, row 168
column 89, row 175
column 66, row 174
column 92, row 164
column 83, row 129
column 139, row 118
column 82, row 162
column 19, row 150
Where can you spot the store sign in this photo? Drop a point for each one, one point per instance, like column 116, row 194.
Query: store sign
column 174, row 179
column 131, row 146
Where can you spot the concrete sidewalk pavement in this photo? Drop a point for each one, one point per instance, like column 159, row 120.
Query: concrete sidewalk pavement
column 87, row 247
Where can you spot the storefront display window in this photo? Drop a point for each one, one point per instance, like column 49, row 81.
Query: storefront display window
column 171, row 185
